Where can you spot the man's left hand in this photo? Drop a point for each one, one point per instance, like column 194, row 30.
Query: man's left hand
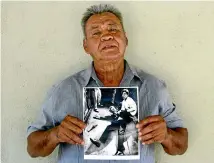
column 152, row 129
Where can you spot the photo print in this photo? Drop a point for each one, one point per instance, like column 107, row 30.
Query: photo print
column 111, row 115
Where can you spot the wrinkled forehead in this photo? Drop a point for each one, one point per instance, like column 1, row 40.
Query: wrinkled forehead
column 100, row 19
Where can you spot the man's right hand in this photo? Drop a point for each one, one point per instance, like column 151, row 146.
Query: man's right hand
column 69, row 130
column 42, row 143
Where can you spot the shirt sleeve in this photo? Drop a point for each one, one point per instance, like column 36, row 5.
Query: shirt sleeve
column 132, row 106
column 123, row 107
column 45, row 119
column 167, row 109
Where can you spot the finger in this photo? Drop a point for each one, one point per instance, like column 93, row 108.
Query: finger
column 76, row 121
column 64, row 138
column 73, row 137
column 148, row 120
column 71, row 126
column 152, row 140
column 148, row 136
column 150, row 128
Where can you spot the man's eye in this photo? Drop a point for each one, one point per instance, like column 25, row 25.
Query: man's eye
column 113, row 30
column 96, row 33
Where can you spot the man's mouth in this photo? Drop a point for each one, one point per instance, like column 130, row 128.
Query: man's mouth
column 108, row 47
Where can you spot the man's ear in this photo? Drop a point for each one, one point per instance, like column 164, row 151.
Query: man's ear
column 127, row 41
column 85, row 46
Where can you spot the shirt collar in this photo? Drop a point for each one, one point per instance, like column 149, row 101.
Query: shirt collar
column 129, row 74
column 134, row 71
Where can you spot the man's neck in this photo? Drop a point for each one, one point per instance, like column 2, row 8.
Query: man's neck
column 111, row 73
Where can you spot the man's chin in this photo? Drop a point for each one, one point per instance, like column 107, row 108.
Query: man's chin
column 112, row 57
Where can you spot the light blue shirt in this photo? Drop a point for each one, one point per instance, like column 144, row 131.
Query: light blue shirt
column 66, row 98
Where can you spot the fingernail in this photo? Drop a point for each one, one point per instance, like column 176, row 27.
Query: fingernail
column 143, row 143
column 137, row 126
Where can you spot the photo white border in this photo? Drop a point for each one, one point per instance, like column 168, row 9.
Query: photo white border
column 105, row 157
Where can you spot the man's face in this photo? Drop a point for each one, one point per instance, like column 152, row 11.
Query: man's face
column 113, row 109
column 105, row 39
column 124, row 95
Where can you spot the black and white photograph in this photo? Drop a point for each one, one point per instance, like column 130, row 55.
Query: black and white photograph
column 111, row 115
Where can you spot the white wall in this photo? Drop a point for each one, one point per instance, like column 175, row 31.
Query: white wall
column 42, row 44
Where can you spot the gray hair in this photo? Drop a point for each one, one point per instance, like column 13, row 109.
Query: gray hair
column 99, row 9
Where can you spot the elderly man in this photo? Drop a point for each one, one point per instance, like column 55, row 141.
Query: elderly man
column 59, row 122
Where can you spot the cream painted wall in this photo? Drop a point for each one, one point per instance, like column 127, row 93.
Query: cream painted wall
column 42, row 44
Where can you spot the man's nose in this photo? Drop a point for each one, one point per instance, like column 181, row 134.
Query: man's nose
column 106, row 37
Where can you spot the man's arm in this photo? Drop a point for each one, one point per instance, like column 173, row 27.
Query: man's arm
column 154, row 129
column 176, row 141
column 122, row 107
column 42, row 143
